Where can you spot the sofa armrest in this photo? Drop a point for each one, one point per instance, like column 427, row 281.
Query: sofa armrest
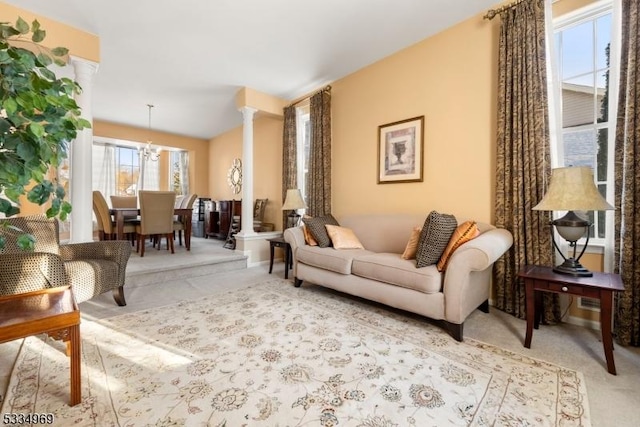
column 467, row 279
column 30, row 271
column 294, row 237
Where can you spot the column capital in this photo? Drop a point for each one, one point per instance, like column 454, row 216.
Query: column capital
column 247, row 112
column 81, row 65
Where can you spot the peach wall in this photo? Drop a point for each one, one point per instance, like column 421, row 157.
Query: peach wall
column 450, row 79
column 267, row 158
column 198, row 151
column 80, row 43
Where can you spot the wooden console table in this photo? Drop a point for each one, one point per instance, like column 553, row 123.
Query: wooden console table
column 52, row 311
column 601, row 286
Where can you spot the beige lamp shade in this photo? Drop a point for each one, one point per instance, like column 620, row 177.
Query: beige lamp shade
column 293, row 200
column 572, row 189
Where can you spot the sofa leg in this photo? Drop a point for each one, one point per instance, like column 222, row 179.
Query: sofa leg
column 484, row 307
column 297, row 282
column 455, row 330
column 118, row 295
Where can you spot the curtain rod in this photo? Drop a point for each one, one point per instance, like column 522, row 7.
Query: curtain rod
column 327, row 88
column 492, row 13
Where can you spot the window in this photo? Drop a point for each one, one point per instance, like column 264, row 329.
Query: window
column 127, row 171
column 174, row 172
column 583, row 47
column 303, row 134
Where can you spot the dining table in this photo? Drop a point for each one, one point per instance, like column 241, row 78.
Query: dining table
column 119, row 215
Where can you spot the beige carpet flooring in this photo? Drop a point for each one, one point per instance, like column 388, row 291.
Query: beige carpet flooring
column 613, row 400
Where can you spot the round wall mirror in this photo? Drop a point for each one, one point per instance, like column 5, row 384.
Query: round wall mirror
column 234, row 176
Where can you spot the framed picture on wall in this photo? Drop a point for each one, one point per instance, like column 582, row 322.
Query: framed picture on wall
column 400, row 151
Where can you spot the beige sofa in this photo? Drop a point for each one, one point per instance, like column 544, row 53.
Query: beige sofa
column 378, row 272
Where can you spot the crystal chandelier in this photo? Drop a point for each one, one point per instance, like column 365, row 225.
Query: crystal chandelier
column 149, row 153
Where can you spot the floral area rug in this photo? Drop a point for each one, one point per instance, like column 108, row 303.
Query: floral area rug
column 275, row 355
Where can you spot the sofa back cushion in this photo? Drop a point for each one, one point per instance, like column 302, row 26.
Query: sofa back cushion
column 383, row 233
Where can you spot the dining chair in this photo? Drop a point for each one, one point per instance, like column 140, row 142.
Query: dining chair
column 156, row 218
column 106, row 224
column 125, row 202
column 179, row 224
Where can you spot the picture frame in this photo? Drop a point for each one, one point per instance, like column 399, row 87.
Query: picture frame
column 401, row 151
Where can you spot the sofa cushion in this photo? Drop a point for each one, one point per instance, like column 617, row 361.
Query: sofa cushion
column 466, row 231
column 435, row 236
column 318, row 230
column 343, row 238
column 328, row 258
column 392, row 269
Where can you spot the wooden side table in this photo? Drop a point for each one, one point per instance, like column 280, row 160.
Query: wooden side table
column 52, row 311
column 279, row 242
column 601, row 286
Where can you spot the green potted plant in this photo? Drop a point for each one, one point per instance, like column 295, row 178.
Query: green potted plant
column 38, row 118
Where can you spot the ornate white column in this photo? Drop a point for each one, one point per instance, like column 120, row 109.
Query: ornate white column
column 80, row 170
column 247, row 171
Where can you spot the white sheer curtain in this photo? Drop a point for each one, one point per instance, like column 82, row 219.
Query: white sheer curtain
column 183, row 171
column 149, row 178
column 104, row 169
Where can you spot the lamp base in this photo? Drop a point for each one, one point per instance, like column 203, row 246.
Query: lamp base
column 572, row 267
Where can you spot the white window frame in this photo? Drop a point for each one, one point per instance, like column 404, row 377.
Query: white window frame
column 303, row 118
column 588, row 13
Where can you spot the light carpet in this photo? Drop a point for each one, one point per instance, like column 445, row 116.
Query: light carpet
column 275, row 355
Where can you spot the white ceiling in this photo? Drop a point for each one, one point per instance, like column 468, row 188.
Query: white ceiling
column 190, row 57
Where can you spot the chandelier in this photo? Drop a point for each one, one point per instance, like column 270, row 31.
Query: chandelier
column 149, row 153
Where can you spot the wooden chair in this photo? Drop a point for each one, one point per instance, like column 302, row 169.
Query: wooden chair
column 106, row 224
column 156, row 218
column 90, row 268
column 179, row 224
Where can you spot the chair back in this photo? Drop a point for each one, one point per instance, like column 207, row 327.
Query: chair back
column 179, row 200
column 101, row 210
column 258, row 209
column 156, row 212
column 124, row 202
column 45, row 230
column 188, row 200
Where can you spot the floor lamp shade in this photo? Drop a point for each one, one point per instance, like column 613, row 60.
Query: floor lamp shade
column 572, row 189
column 293, row 201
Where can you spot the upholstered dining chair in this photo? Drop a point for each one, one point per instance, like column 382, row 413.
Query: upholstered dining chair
column 90, row 268
column 258, row 213
column 156, row 218
column 106, row 224
column 179, row 224
column 125, row 202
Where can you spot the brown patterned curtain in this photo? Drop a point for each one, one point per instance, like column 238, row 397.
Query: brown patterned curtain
column 289, row 156
column 523, row 154
column 319, row 177
column 627, row 180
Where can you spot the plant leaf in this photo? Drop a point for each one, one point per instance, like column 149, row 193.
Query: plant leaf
column 22, row 26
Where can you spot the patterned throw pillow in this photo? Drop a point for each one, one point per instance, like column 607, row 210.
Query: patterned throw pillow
column 317, row 228
column 435, row 236
column 343, row 238
column 412, row 244
column 466, row 231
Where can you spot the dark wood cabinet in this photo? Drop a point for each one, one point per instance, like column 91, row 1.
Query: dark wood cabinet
column 220, row 219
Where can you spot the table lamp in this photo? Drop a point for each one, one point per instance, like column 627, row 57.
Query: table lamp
column 572, row 189
column 293, row 201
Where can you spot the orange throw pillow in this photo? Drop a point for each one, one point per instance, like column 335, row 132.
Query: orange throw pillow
column 308, row 237
column 464, row 232
column 343, row 238
column 412, row 245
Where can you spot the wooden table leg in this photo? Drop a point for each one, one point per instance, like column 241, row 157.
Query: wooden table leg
column 187, row 233
column 119, row 225
column 531, row 310
column 271, row 253
column 606, row 304
column 286, row 261
column 75, row 359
